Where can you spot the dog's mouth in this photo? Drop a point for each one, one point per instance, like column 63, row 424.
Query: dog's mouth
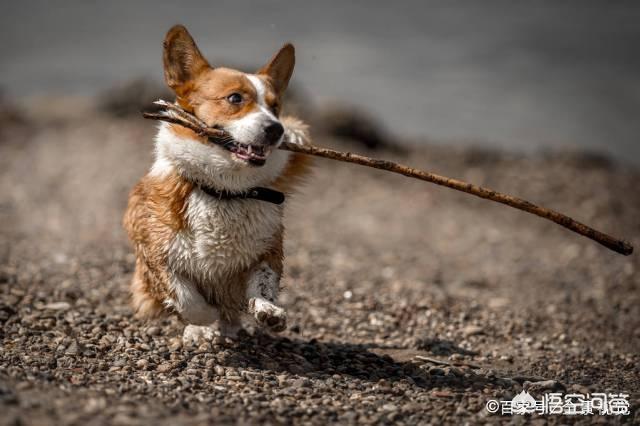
column 255, row 155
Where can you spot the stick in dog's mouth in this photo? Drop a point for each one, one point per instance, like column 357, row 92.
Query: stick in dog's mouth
column 255, row 155
column 172, row 113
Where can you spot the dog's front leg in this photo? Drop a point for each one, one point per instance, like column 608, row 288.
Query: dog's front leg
column 200, row 317
column 262, row 294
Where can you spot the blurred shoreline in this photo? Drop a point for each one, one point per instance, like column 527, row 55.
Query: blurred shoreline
column 354, row 126
column 520, row 76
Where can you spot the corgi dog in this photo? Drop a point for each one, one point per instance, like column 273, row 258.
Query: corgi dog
column 206, row 220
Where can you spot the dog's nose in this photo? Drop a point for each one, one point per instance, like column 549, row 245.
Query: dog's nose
column 273, row 132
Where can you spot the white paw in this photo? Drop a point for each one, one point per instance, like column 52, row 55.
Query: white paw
column 197, row 334
column 268, row 315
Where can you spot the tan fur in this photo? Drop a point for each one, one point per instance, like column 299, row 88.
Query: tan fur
column 280, row 68
column 202, row 89
column 169, row 219
column 154, row 215
column 206, row 95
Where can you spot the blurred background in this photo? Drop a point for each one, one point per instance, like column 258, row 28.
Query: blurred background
column 522, row 75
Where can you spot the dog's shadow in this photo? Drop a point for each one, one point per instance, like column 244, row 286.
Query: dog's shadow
column 315, row 359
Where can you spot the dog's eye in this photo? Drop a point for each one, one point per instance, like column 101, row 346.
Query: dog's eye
column 235, row 98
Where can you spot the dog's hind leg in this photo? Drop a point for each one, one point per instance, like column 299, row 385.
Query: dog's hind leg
column 144, row 304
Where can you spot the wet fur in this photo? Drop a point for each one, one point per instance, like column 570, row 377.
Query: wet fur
column 196, row 255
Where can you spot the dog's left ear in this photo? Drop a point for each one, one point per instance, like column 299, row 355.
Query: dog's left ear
column 182, row 59
column 280, row 67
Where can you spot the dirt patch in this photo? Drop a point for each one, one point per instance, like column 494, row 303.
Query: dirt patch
column 407, row 302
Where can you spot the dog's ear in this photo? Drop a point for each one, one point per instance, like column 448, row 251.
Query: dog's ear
column 182, row 59
column 280, row 67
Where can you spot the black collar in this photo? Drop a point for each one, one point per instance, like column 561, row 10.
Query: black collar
column 257, row 193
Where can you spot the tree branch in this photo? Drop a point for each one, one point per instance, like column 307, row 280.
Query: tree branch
column 172, row 113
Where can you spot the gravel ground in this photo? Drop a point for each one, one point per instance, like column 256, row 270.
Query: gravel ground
column 408, row 303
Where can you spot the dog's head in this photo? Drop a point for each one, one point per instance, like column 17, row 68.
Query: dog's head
column 246, row 106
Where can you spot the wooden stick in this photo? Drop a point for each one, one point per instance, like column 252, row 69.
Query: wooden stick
column 172, row 113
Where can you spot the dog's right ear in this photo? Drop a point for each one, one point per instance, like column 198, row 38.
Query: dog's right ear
column 182, row 59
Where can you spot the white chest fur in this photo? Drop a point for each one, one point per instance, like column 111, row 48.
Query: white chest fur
column 222, row 237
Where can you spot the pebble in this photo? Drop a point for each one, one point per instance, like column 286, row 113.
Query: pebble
column 73, row 348
column 301, row 383
column 153, row 331
column 472, row 330
column 165, row 367
column 57, row 306
column 142, row 364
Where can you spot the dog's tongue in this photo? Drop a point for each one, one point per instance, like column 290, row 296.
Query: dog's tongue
column 254, row 154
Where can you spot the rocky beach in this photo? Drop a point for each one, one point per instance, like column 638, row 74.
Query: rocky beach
column 408, row 303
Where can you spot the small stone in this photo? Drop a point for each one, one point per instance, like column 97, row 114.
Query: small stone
column 153, row 331
column 390, row 407
column 472, row 330
column 120, row 362
column 282, row 379
column 73, row 348
column 142, row 364
column 302, row 383
column 57, row 306
column 175, row 344
column 165, row 367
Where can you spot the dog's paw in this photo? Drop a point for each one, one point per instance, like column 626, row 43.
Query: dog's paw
column 269, row 315
column 197, row 334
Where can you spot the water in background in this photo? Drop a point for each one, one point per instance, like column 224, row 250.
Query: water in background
column 519, row 75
